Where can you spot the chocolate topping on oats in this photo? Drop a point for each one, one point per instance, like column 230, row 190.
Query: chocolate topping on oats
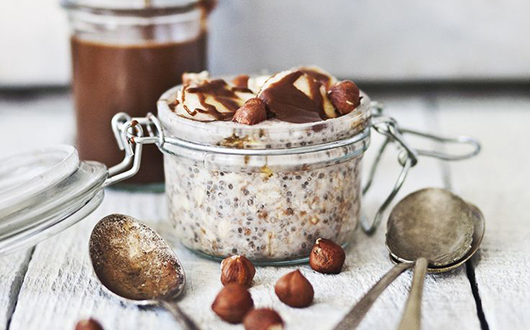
column 300, row 95
column 295, row 97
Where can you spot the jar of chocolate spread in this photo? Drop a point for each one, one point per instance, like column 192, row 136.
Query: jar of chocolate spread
column 125, row 54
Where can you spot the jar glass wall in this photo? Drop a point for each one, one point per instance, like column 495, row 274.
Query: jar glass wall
column 269, row 207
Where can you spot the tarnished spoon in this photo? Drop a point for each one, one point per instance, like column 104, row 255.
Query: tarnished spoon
column 478, row 234
column 133, row 262
column 429, row 227
column 444, row 244
column 412, row 316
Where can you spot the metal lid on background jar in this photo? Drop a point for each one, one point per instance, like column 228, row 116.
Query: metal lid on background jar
column 45, row 191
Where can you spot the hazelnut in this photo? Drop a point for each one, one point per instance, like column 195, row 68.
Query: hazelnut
column 326, row 257
column 237, row 269
column 252, row 112
column 294, row 290
column 89, row 324
column 241, row 81
column 263, row 319
column 344, row 96
column 232, row 303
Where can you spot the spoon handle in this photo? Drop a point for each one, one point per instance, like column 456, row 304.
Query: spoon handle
column 183, row 318
column 358, row 312
column 411, row 319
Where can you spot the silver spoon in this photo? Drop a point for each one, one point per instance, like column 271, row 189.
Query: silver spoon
column 447, row 239
column 133, row 262
column 429, row 227
column 412, row 315
column 478, row 234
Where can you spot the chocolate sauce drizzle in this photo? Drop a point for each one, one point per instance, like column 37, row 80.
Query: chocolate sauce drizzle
column 290, row 104
column 318, row 76
column 221, row 92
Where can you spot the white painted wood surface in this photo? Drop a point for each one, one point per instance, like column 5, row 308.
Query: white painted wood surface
column 499, row 182
column 53, row 286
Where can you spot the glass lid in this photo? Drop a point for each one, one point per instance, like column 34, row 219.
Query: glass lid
column 45, row 191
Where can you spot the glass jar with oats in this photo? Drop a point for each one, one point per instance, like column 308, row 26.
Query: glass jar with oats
column 265, row 190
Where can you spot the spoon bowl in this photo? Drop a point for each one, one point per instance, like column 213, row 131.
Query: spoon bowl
column 478, row 234
column 135, row 263
column 431, row 223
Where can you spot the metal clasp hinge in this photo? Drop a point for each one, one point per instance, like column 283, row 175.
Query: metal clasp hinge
column 407, row 157
column 130, row 136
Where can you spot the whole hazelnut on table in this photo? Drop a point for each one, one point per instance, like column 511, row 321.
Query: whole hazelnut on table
column 294, row 290
column 326, row 257
column 232, row 303
column 237, row 269
column 89, row 324
column 344, row 96
column 263, row 319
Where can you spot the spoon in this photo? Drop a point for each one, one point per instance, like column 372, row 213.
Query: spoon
column 412, row 315
column 431, row 227
column 478, row 235
column 133, row 262
column 448, row 240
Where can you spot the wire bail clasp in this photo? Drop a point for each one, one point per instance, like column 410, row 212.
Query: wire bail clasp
column 407, row 157
column 129, row 134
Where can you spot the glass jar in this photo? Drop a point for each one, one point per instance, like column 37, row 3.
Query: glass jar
column 125, row 54
column 272, row 205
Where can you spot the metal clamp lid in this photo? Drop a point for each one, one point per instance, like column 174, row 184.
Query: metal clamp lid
column 129, row 133
column 407, row 157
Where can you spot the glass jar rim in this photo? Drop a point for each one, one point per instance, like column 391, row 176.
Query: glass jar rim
column 156, row 8
column 277, row 135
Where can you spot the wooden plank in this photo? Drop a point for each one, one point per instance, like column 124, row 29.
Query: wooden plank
column 448, row 301
column 59, row 287
column 497, row 182
column 12, row 270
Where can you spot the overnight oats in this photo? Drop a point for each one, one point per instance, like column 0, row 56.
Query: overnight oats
column 278, row 163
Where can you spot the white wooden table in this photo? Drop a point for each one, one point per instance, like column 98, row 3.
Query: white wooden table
column 51, row 286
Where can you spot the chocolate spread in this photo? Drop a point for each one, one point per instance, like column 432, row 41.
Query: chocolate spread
column 112, row 78
column 290, row 104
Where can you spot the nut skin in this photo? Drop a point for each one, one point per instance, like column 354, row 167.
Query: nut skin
column 294, row 290
column 232, row 303
column 89, row 324
column 254, row 111
column 263, row 319
column 326, row 257
column 237, row 269
column 344, row 96
column 241, row 81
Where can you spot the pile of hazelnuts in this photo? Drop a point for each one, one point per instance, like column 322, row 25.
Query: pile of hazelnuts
column 234, row 303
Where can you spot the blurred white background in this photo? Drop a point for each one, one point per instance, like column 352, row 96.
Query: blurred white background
column 369, row 40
